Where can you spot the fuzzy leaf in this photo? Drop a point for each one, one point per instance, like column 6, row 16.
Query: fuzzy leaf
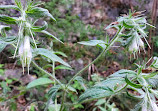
column 100, row 102
column 39, row 29
column 81, row 81
column 9, row 7
column 132, row 84
column 5, row 41
column 7, row 19
column 53, row 91
column 71, row 89
column 40, row 81
column 99, row 43
column 62, row 67
column 38, row 12
column 53, row 107
column 123, row 73
column 147, row 76
column 2, row 46
column 49, row 34
column 3, row 28
column 18, row 3
column 155, row 63
column 50, row 55
column 153, row 81
column 103, row 89
column 127, row 25
column 113, row 83
column 8, row 40
column 95, row 93
column 60, row 53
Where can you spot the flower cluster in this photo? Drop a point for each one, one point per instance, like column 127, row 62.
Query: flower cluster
column 134, row 30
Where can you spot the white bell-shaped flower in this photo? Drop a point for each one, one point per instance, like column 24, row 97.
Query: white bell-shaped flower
column 25, row 52
column 133, row 47
column 136, row 44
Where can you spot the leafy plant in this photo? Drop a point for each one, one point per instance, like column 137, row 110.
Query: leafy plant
column 130, row 31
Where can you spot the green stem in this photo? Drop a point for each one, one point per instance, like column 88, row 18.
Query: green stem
column 63, row 99
column 53, row 73
column 100, row 55
column 82, row 70
column 42, row 70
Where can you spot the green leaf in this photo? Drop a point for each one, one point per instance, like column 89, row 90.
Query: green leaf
column 127, row 25
column 53, row 91
column 123, row 73
column 38, row 82
column 5, row 41
column 72, row 89
column 19, row 4
column 142, row 81
column 100, row 102
column 103, row 89
column 2, row 46
column 62, row 67
column 39, row 29
column 111, row 26
column 7, row 19
column 125, row 36
column 155, row 63
column 60, row 53
column 155, row 92
column 50, row 55
column 9, row 7
column 153, row 81
column 8, row 40
column 52, row 107
column 38, row 12
column 49, row 34
column 113, row 83
column 132, row 84
column 3, row 28
column 99, row 43
column 95, row 93
column 81, row 81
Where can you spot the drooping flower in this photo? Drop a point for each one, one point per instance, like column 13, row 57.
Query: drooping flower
column 133, row 47
column 136, row 43
column 25, row 53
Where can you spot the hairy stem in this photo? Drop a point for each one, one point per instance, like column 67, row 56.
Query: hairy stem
column 82, row 70
column 100, row 55
column 53, row 69
column 63, row 100
column 52, row 76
